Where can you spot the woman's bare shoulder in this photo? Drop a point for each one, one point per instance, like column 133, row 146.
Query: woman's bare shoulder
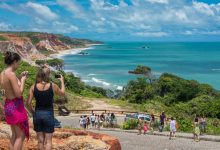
column 10, row 75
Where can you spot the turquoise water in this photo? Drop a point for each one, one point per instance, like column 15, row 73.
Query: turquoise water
column 108, row 65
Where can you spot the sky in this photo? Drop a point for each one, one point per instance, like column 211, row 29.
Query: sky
column 116, row 20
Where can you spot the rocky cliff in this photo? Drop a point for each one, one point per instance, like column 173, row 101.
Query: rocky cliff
column 65, row 139
column 36, row 45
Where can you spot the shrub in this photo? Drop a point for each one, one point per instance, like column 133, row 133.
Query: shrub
column 56, row 63
column 130, row 124
column 185, row 124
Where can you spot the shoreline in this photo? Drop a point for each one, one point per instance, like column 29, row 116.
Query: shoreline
column 73, row 51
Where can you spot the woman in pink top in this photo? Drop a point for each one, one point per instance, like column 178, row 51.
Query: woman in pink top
column 11, row 91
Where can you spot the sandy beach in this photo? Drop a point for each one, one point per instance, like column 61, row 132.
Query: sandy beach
column 72, row 51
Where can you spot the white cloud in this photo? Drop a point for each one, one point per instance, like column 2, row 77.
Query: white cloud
column 152, row 34
column 139, row 18
column 42, row 11
column 103, row 5
column 204, row 8
column 196, row 32
column 73, row 7
column 4, row 26
column 158, row 1
column 10, row 8
column 34, row 10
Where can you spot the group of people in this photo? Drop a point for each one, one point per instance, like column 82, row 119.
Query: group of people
column 96, row 121
column 15, row 114
column 199, row 126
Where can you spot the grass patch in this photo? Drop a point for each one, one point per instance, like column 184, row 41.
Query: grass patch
column 2, row 38
column 76, row 102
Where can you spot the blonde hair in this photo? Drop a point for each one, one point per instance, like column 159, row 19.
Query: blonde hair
column 43, row 74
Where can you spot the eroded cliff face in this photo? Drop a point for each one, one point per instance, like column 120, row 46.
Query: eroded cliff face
column 21, row 45
column 32, row 46
column 51, row 43
column 65, row 139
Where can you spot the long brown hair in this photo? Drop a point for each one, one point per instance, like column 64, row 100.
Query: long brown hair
column 43, row 74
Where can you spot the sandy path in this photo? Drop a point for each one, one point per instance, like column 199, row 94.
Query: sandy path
column 98, row 104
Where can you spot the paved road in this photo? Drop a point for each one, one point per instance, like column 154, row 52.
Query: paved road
column 73, row 120
column 132, row 141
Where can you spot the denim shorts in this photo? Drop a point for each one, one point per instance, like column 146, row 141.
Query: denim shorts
column 43, row 121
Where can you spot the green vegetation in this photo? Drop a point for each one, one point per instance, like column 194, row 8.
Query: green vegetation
column 55, row 62
column 73, row 42
column 2, row 38
column 33, row 36
column 180, row 98
column 46, row 52
column 130, row 124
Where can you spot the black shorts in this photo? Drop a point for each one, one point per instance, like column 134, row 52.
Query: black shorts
column 43, row 121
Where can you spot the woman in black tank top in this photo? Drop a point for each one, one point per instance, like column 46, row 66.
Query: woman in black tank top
column 43, row 115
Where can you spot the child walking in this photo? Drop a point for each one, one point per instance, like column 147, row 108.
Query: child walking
column 145, row 127
column 172, row 127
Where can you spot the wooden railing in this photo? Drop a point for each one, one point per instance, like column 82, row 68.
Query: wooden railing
column 100, row 110
column 90, row 111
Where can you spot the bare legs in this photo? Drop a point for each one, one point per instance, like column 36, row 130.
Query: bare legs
column 13, row 137
column 44, row 141
column 40, row 138
column 172, row 134
column 48, row 141
column 17, row 138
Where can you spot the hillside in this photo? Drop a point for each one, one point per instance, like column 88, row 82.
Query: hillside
column 38, row 45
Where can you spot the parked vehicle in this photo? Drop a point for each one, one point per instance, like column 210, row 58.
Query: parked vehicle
column 145, row 117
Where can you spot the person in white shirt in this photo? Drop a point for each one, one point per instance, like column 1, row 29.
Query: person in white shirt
column 93, row 118
column 81, row 121
column 172, row 127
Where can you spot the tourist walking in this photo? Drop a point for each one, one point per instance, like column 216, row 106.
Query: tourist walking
column 102, row 119
column 93, row 118
column 84, row 122
column 108, row 116
column 172, row 127
column 162, row 121
column 196, row 130
column 43, row 115
column 140, row 126
column 98, row 123
column 203, row 125
column 152, row 123
column 12, row 89
column 87, row 122
column 145, row 127
column 81, row 121
column 112, row 120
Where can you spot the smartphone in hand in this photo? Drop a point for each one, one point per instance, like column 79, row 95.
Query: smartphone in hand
column 57, row 76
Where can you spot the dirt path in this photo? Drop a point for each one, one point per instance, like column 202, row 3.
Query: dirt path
column 101, row 104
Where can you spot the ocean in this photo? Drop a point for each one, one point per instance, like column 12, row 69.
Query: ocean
column 107, row 65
